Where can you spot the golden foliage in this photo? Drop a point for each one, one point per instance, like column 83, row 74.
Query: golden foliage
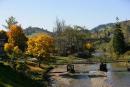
column 12, row 51
column 17, row 37
column 40, row 45
column 14, row 32
column 88, row 46
column 8, row 47
column 16, row 50
column 16, row 42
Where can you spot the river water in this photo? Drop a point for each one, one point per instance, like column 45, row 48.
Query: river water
column 117, row 76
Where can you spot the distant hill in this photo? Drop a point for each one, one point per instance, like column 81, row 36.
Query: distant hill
column 109, row 25
column 34, row 30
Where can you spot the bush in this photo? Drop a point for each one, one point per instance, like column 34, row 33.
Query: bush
column 83, row 54
column 21, row 66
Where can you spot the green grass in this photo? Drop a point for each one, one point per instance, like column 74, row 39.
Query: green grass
column 69, row 59
column 11, row 78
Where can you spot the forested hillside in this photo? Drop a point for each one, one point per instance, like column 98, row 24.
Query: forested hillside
column 34, row 30
column 109, row 26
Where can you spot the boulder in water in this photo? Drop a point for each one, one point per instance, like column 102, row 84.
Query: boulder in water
column 103, row 67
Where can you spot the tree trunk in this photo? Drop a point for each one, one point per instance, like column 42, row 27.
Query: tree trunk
column 39, row 64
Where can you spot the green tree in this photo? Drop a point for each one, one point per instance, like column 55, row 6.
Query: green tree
column 58, row 29
column 69, row 39
column 3, row 35
column 3, row 40
column 118, row 40
column 10, row 21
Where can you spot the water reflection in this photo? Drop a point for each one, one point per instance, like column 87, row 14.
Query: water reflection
column 75, row 76
column 117, row 76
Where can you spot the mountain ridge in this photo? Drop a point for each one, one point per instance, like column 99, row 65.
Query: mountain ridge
column 109, row 25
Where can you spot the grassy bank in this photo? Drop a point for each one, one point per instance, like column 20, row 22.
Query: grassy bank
column 69, row 59
column 12, row 78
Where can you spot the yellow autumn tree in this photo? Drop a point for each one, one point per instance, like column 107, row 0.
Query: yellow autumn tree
column 8, row 47
column 89, row 47
column 17, row 52
column 12, row 51
column 40, row 46
column 17, row 37
column 16, row 42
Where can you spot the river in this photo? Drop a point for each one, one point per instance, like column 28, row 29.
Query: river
column 117, row 76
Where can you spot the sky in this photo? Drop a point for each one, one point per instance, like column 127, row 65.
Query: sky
column 43, row 13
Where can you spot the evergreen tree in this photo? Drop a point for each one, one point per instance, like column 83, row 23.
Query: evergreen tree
column 118, row 40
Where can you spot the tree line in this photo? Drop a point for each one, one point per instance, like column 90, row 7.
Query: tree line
column 64, row 41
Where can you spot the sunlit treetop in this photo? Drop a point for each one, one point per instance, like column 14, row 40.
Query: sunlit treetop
column 17, row 37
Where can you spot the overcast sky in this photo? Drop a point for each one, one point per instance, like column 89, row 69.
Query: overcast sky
column 43, row 13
